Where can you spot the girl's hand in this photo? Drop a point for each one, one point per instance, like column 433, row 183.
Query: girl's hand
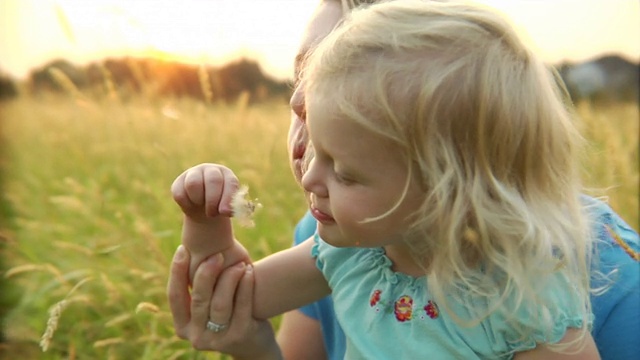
column 205, row 191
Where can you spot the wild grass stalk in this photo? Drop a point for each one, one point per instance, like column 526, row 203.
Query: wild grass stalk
column 64, row 82
column 109, row 85
column 205, row 84
column 611, row 164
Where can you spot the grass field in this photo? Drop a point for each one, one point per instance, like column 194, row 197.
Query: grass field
column 93, row 227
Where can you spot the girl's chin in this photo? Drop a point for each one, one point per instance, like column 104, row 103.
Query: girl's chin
column 326, row 236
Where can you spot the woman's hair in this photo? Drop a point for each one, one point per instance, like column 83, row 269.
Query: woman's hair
column 487, row 136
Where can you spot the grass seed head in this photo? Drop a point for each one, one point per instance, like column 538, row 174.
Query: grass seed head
column 147, row 307
column 52, row 323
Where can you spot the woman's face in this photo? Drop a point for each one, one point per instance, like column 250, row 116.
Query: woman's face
column 322, row 22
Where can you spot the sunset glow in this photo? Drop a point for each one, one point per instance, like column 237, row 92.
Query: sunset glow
column 34, row 32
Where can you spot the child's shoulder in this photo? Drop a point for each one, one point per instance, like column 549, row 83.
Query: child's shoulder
column 335, row 261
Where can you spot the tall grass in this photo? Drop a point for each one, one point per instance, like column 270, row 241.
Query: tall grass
column 95, row 227
column 611, row 162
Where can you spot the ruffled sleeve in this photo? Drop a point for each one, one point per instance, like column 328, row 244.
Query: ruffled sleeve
column 563, row 312
column 336, row 263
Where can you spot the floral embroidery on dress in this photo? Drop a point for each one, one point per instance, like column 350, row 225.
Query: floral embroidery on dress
column 375, row 297
column 432, row 309
column 403, row 308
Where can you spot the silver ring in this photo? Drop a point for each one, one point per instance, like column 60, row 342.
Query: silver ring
column 216, row 328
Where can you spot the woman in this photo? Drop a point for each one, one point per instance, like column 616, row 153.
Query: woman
column 301, row 331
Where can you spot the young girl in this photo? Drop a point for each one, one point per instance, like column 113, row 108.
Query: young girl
column 446, row 190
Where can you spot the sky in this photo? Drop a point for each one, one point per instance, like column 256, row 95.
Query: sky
column 212, row 32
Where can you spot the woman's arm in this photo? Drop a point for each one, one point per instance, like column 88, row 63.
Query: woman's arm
column 618, row 336
column 300, row 337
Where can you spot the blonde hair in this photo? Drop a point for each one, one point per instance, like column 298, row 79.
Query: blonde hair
column 348, row 5
column 487, row 136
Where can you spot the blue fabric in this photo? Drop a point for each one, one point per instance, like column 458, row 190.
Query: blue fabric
column 616, row 328
column 385, row 313
column 322, row 310
column 617, row 310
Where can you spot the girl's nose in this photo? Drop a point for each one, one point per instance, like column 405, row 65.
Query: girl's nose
column 308, row 177
column 312, row 179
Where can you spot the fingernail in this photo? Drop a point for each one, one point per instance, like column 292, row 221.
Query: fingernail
column 249, row 268
column 180, row 254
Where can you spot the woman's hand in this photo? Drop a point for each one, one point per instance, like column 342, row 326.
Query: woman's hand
column 223, row 297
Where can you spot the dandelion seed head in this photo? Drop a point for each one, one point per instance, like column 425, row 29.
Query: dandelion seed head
column 243, row 208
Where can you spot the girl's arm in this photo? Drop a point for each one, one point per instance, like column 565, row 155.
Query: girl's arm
column 204, row 193
column 283, row 281
column 203, row 239
column 588, row 351
column 287, row 280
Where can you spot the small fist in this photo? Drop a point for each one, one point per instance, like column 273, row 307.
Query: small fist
column 205, row 191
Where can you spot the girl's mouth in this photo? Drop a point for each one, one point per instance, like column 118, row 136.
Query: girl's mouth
column 322, row 217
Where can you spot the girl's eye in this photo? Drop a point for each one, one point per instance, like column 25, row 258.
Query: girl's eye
column 344, row 179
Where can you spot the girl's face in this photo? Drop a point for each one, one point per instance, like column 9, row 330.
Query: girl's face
column 356, row 175
column 323, row 20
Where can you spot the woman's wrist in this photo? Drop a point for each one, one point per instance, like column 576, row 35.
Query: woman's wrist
column 270, row 355
column 267, row 349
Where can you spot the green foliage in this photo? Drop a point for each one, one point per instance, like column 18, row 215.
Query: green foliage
column 9, row 292
column 94, row 223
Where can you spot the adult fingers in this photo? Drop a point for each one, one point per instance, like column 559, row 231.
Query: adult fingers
column 243, row 309
column 204, row 281
column 223, row 296
column 178, row 292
